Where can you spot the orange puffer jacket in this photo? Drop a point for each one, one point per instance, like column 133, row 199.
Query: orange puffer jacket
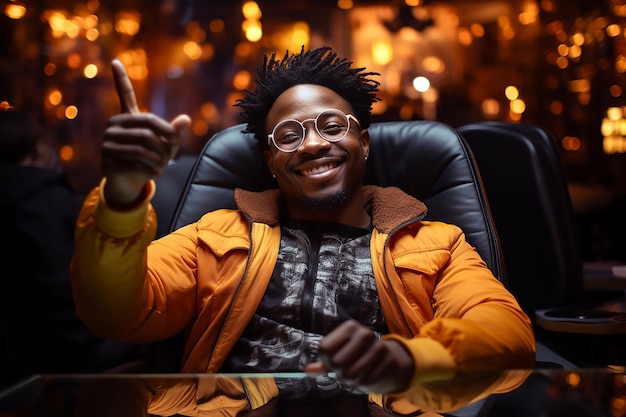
column 438, row 297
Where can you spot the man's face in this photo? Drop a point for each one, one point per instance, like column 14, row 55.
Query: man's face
column 318, row 175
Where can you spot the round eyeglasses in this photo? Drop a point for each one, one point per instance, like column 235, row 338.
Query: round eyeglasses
column 332, row 125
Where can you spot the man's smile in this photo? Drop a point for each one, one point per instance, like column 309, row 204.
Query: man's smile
column 318, row 167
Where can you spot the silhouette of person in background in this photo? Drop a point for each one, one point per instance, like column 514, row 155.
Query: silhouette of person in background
column 39, row 329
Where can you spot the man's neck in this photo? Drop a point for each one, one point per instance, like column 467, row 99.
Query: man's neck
column 349, row 215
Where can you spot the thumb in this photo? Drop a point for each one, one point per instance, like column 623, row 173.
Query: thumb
column 181, row 124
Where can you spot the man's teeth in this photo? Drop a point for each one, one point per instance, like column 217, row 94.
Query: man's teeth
column 318, row 170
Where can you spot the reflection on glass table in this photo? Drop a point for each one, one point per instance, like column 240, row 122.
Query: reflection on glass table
column 538, row 392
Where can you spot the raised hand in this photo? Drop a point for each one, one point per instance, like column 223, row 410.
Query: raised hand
column 137, row 146
column 356, row 354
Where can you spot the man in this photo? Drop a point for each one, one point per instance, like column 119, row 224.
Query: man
column 321, row 274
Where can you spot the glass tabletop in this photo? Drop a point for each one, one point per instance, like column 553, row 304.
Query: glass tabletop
column 536, row 392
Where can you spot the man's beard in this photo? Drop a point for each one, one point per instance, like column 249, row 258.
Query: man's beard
column 318, row 204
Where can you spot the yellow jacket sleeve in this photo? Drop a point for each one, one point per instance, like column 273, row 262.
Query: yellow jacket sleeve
column 115, row 293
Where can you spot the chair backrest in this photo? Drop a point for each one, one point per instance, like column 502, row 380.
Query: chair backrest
column 426, row 159
column 522, row 173
column 169, row 187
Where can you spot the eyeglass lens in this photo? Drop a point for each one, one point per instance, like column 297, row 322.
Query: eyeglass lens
column 332, row 125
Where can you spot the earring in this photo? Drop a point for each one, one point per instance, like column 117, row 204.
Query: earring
column 366, row 157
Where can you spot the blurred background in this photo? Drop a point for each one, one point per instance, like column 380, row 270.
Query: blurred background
column 560, row 64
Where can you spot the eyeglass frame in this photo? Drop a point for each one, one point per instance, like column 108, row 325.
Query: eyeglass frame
column 348, row 116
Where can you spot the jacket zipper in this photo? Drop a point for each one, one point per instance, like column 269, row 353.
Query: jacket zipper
column 385, row 246
column 234, row 297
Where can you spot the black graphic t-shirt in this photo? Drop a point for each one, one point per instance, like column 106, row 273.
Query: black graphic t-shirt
column 323, row 277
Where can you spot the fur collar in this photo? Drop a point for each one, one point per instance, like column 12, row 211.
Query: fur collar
column 389, row 207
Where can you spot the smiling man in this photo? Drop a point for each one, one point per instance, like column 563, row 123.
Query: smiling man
column 321, row 274
column 319, row 163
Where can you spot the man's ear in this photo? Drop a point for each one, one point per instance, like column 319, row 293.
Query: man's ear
column 365, row 142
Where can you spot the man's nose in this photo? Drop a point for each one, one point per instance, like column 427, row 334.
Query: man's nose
column 312, row 139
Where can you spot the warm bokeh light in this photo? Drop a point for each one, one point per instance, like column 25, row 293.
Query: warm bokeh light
column 615, row 90
column 518, row 106
column 620, row 64
column 578, row 39
column 90, row 71
column 433, row 64
column 72, row 29
column 252, row 30
column 300, row 33
column 66, row 153
column 477, row 30
column 15, row 10
column 74, row 60
column 613, row 129
column 514, row 117
column 490, row 108
column 136, row 63
column 556, row 107
column 49, row 69
column 91, row 21
column 406, row 112
column 92, row 34
column 573, row 379
column 421, row 84
column 195, row 32
column 55, row 97
column 530, row 14
column 507, row 31
column 209, row 111
column 382, row 52
column 465, row 37
column 200, row 127
column 92, row 5
column 613, row 30
column 614, row 113
column 71, row 112
column 242, row 80
column 128, row 22
column 575, row 51
column 251, row 10
column 511, row 92
column 345, row 4
column 192, row 50
column 216, row 25
column 208, row 52
column 243, row 50
column 570, row 143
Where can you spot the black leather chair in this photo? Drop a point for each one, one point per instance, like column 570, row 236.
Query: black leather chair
column 169, row 187
column 528, row 195
column 426, row 159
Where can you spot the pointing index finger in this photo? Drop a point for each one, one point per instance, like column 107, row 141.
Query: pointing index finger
column 124, row 87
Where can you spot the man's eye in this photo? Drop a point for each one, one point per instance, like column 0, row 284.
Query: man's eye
column 333, row 129
column 289, row 137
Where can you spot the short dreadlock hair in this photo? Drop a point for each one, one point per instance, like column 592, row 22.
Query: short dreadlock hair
column 320, row 66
